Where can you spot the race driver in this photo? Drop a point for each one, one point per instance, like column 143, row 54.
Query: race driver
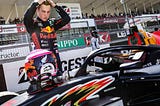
column 42, row 29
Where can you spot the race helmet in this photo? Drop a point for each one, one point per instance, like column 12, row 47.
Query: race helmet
column 94, row 33
column 41, row 67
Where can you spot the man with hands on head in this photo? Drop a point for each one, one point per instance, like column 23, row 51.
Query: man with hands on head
column 42, row 29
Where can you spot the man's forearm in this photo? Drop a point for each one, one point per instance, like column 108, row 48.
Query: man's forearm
column 64, row 16
column 28, row 16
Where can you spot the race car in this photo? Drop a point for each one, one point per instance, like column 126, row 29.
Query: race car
column 141, row 37
column 6, row 95
column 112, row 76
column 141, row 33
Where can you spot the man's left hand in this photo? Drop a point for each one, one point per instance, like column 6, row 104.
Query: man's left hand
column 52, row 3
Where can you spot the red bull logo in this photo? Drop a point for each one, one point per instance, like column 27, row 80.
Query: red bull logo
column 47, row 29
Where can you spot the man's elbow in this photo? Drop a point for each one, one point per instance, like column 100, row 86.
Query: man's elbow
column 25, row 20
column 68, row 19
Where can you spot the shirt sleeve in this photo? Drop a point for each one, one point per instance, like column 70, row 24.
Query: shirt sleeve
column 65, row 19
column 28, row 16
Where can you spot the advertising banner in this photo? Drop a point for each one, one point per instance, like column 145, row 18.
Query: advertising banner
column 21, row 28
column 77, row 42
column 12, row 53
column 14, row 28
column 109, row 20
column 12, row 77
column 6, row 29
column 73, row 9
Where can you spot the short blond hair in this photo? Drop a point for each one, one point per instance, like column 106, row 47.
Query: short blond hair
column 45, row 3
